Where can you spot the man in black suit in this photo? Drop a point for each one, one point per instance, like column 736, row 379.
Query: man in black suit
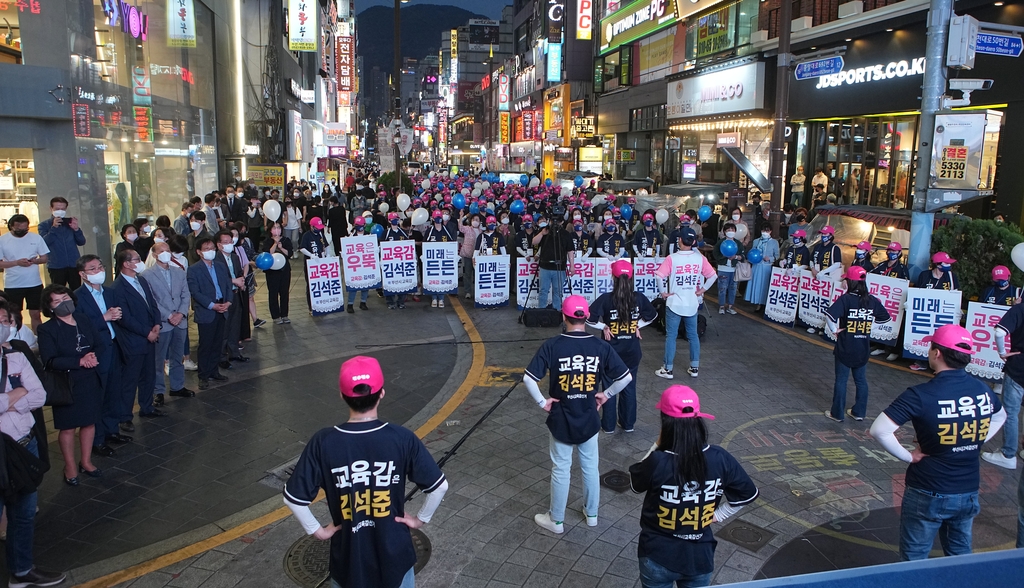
column 210, row 285
column 227, row 256
column 136, row 332
column 234, row 205
column 337, row 221
column 99, row 307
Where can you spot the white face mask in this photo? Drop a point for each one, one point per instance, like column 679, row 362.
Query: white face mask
column 164, row 257
column 735, row 217
column 766, row 235
column 97, row 278
column 131, row 237
column 730, row 234
column 504, row 221
column 60, row 213
column 178, row 256
column 159, row 240
column 234, row 240
column 140, row 267
column 476, row 223
column 228, row 248
column 209, row 255
column 6, row 333
column 446, row 217
column 195, row 225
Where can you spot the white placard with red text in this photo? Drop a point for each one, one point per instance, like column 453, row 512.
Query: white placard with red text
column 892, row 293
column 325, row 292
column 981, row 322
column 816, row 296
column 527, row 283
column 583, row 280
column 441, row 268
column 927, row 310
column 398, row 267
column 492, row 287
column 783, row 296
column 602, row 276
column 361, row 260
column 645, row 281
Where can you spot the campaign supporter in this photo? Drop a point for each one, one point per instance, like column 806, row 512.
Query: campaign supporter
column 63, row 237
column 647, row 241
column 490, row 242
column 395, row 233
column 199, row 231
column 797, row 257
column 291, row 218
column 827, row 258
column 619, row 315
column 524, row 239
column 129, row 235
column 279, row 280
column 577, row 362
column 313, row 246
column 953, row 415
column 611, row 245
column 1001, row 292
column 862, row 256
column 470, row 229
column 940, row 276
column 555, row 254
column 438, row 233
column 892, row 266
column 688, row 485
column 757, row 289
column 20, row 253
column 358, row 230
column 683, row 278
column 1012, row 326
column 727, row 270
column 180, row 224
column 582, row 241
column 850, row 318
column 736, row 219
column 362, row 465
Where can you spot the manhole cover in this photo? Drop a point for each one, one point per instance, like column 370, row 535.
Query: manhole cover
column 307, row 561
column 616, row 480
column 745, row 535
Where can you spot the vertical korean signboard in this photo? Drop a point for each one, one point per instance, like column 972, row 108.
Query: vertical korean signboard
column 302, row 29
column 344, row 63
column 181, row 23
column 556, row 18
column 503, row 93
column 504, row 128
column 584, row 19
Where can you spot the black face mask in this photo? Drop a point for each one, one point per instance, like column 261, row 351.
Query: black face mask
column 20, row 233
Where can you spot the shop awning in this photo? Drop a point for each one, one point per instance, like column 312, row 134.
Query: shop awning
column 695, row 189
column 571, row 174
column 736, row 156
column 618, row 185
column 888, row 217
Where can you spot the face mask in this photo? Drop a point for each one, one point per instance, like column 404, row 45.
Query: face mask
column 394, row 223
column 66, row 308
column 195, row 225
column 295, row 194
column 787, row 217
column 730, row 234
column 576, row 217
column 234, row 240
column 97, row 278
column 648, row 224
column 140, row 267
column 1002, row 284
column 578, row 227
column 447, row 217
column 735, row 217
column 228, row 248
column 542, row 225
column 131, row 237
column 945, row 267
column 159, row 240
column 861, row 254
column 766, row 235
column 5, row 333
column 231, row 194
column 527, row 226
column 894, row 256
column 826, row 238
column 504, row 221
column 164, row 257
column 610, row 229
column 209, row 255
column 616, row 216
column 266, row 192
column 60, row 213
column 491, row 227
column 476, row 223
column 607, row 217
column 178, row 256
column 797, row 241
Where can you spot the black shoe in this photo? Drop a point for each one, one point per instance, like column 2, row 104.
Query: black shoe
column 240, row 359
column 36, row 577
column 104, row 450
column 69, row 482
column 362, row 306
column 258, row 323
column 158, row 400
column 96, row 473
column 349, row 309
column 118, row 439
column 380, row 293
column 128, row 427
column 204, row 384
column 225, row 365
column 183, row 393
column 152, row 415
column 219, row 378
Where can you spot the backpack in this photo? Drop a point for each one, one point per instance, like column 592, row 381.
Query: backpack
column 659, row 323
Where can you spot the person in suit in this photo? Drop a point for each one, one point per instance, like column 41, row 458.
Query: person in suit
column 337, row 222
column 96, row 304
column 209, row 284
column 227, row 256
column 170, row 289
column 234, row 205
column 199, row 231
column 211, row 212
column 137, row 333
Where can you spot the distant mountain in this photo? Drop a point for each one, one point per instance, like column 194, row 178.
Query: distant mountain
column 422, row 25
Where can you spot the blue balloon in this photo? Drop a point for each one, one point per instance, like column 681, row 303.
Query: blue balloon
column 459, row 201
column 626, row 211
column 704, row 213
column 578, row 181
column 516, row 207
column 755, row 256
column 473, row 208
column 264, row 261
column 548, row 182
column 377, row 229
column 524, row 180
column 728, row 248
column 451, row 185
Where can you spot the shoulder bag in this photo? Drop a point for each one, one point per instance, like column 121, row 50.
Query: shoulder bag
column 57, row 383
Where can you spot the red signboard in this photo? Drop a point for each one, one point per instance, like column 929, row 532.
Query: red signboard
column 345, row 67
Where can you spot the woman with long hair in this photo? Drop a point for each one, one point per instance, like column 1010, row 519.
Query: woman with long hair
column 685, row 480
column 620, row 314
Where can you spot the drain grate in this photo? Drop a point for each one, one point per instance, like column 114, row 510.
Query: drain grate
column 744, row 534
column 307, row 561
column 616, row 480
column 278, row 476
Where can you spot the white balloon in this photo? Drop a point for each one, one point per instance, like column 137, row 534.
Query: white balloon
column 741, row 232
column 403, row 201
column 431, row 174
column 465, row 191
column 486, row 185
column 444, row 174
column 420, row 216
column 1017, row 256
column 425, row 184
column 279, row 261
column 534, row 182
column 384, row 207
column 661, row 216
column 476, row 192
column 598, row 200
column 272, row 210
column 439, row 197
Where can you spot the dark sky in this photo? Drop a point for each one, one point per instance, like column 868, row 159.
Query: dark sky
column 489, row 8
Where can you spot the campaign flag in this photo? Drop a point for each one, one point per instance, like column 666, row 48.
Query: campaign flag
column 981, row 322
column 361, row 261
column 892, row 293
column 325, row 292
column 816, row 296
column 783, row 296
column 582, row 281
column 527, row 276
column 602, row 276
column 398, row 267
column 927, row 310
column 492, row 288
column 645, row 281
column 441, row 268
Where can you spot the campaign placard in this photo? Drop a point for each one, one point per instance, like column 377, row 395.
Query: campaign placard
column 361, row 261
column 440, row 268
column 816, row 296
column 527, row 283
column 583, row 281
column 602, row 276
column 892, row 293
column 325, row 292
column 645, row 280
column 928, row 310
column 492, row 287
column 981, row 322
column 398, row 267
column 783, row 296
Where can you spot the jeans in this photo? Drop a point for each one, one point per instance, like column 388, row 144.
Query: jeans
column 395, row 300
column 21, row 527
column 626, row 409
column 352, row 296
column 409, row 581
column 170, row 346
column 726, row 288
column 561, row 464
column 672, row 333
column 553, row 280
column 653, row 575
column 1020, row 512
column 293, row 235
column 469, row 275
column 926, row 513
column 860, row 379
column 1012, row 394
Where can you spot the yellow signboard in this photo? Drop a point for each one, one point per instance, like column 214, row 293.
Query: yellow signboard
column 271, row 176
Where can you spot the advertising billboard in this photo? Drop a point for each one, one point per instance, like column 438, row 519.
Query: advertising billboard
column 483, row 34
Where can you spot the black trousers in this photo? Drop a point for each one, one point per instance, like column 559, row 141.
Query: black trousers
column 234, row 326
column 137, row 373
column 65, row 276
column 211, row 343
column 278, row 283
column 244, row 323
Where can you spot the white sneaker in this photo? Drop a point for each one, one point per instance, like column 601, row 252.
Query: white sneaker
column 544, row 520
column 892, row 357
column 877, row 352
column 812, row 330
column 997, row 458
column 692, row 371
column 664, row 373
column 721, row 310
column 433, row 303
column 469, row 295
column 731, row 310
column 591, row 521
column 190, row 366
column 440, row 303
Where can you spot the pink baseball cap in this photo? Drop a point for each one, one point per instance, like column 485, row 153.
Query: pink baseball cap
column 316, row 223
column 1000, row 272
column 360, row 370
column 648, row 216
column 952, row 337
column 864, row 246
column 681, row 402
column 801, row 234
column 392, row 216
column 576, row 306
column 855, row 273
column 359, row 221
column 622, row 267
column 609, row 222
column 942, row 257
column 827, row 230
column 895, row 246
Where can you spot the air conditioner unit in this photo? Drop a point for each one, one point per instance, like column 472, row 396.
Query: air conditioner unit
column 802, row 23
column 759, row 37
column 851, row 9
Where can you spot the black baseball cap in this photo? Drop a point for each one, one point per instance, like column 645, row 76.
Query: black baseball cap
column 689, row 237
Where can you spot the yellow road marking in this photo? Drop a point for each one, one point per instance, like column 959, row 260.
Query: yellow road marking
column 476, row 372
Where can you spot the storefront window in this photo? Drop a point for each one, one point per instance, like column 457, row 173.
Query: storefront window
column 18, row 184
column 722, row 29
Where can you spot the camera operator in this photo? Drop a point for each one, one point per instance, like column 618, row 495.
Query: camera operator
column 554, row 247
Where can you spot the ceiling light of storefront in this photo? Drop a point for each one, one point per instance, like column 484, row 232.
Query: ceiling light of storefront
column 718, row 125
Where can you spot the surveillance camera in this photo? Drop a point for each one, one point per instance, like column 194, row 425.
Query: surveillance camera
column 969, row 84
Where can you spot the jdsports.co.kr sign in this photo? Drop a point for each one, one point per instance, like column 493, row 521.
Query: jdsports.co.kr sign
column 873, row 73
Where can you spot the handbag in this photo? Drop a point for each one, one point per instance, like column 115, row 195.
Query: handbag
column 744, row 271
column 57, row 383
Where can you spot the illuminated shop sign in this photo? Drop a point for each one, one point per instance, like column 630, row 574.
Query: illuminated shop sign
column 636, row 20
column 132, row 21
column 873, row 73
